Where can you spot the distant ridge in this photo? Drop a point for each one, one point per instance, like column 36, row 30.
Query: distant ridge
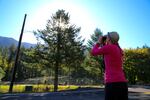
column 7, row 42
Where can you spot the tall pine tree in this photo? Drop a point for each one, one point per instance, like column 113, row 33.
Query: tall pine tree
column 62, row 44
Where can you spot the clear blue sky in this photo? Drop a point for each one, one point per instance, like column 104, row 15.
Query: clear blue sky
column 130, row 18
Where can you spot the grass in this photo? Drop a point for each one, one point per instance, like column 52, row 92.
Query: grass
column 35, row 88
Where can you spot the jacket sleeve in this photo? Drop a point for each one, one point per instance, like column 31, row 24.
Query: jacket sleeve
column 97, row 50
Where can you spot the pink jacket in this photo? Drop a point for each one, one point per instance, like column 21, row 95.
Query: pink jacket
column 113, row 62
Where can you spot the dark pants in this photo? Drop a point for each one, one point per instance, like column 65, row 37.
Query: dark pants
column 116, row 91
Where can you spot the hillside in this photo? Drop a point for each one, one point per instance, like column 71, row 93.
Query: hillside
column 6, row 42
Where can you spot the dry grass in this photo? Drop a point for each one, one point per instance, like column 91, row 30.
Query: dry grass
column 35, row 88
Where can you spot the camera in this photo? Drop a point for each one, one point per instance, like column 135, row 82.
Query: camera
column 98, row 34
column 104, row 39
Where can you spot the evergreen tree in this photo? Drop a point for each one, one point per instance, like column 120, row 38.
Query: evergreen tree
column 99, row 63
column 62, row 45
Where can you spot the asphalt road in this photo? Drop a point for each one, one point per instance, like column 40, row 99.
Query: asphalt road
column 85, row 94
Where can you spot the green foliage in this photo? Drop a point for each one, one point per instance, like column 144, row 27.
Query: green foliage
column 94, row 38
column 94, row 65
column 93, row 69
column 137, row 65
column 62, row 45
column 70, row 44
column 2, row 73
column 7, row 60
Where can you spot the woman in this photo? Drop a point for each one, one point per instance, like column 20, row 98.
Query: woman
column 115, row 82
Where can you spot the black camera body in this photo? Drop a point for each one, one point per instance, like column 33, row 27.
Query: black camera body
column 104, row 39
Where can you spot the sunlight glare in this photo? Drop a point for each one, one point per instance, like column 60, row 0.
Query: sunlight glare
column 78, row 16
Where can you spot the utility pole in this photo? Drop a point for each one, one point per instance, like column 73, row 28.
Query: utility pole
column 17, row 56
